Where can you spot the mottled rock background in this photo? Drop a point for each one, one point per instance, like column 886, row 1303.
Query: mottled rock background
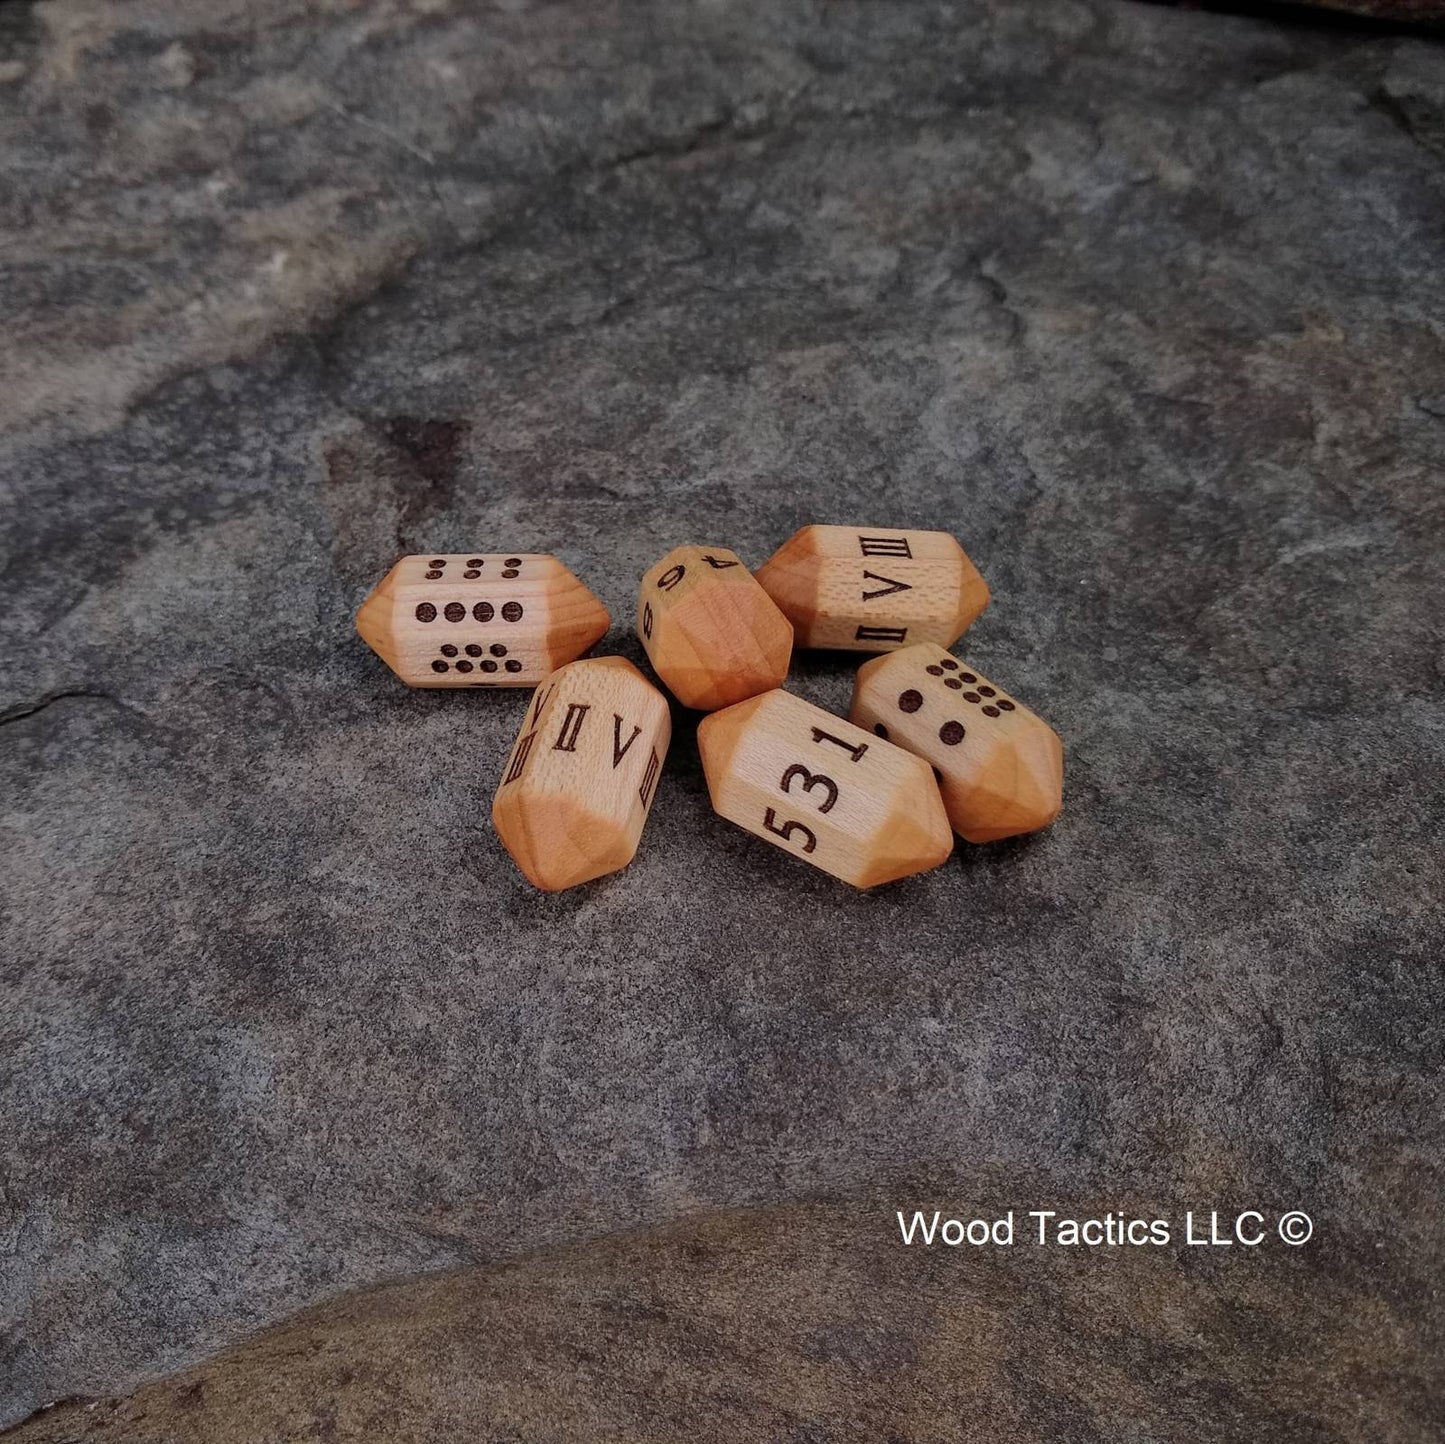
column 804, row 1324
column 1144, row 303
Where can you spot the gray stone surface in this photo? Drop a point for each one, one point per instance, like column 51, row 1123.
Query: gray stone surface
column 1142, row 303
column 807, row 1323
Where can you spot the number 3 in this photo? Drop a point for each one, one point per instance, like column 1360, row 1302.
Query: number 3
column 814, row 779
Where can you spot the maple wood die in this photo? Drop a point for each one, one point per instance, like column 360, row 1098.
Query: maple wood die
column 1000, row 768
column 823, row 790
column 711, row 632
column 873, row 589
column 583, row 772
column 479, row 619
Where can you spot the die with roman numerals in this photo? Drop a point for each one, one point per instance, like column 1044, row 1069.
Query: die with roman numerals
column 1000, row 768
column 823, row 790
column 711, row 632
column 582, row 774
column 479, row 619
column 873, row 589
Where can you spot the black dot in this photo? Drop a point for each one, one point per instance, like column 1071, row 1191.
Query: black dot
column 880, row 729
column 1005, row 704
column 432, row 576
column 951, row 734
column 949, row 664
column 509, row 573
column 473, row 650
column 990, row 711
column 439, row 667
column 512, row 562
column 498, row 650
column 449, row 650
column 968, row 676
column 454, row 612
column 512, row 611
column 426, row 612
column 987, row 692
column 910, row 701
column 489, row 666
column 934, row 671
column 439, row 561
column 513, row 666
column 952, row 682
column 476, row 562
column 972, row 697
column 470, row 576
column 483, row 611
column 464, row 666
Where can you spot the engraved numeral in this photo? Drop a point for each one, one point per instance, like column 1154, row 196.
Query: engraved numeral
column 649, row 779
column 786, row 831
column 885, row 546
column 519, row 758
column 540, row 702
column 718, row 564
column 671, row 577
column 571, row 726
column 647, row 620
column 619, row 747
column 812, row 780
column 856, row 753
column 880, row 634
column 885, row 591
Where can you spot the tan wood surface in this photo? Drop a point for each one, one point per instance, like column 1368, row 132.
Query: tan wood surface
column 873, row 589
column 823, row 790
column 711, row 632
column 1001, row 768
column 581, row 777
column 479, row 619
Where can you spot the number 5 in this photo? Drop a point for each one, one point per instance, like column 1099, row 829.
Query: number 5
column 786, row 831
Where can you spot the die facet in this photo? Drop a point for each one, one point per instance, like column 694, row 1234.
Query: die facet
column 711, row 632
column 582, row 774
column 479, row 619
column 1001, row 768
column 823, row 790
column 873, row 589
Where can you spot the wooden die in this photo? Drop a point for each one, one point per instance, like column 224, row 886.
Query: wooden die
column 583, row 772
column 873, row 589
column 1001, row 768
column 823, row 790
column 479, row 620
column 711, row 632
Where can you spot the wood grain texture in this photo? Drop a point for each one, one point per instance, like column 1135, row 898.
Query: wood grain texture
column 580, row 779
column 711, row 632
column 1000, row 767
column 874, row 589
column 479, row 619
column 823, row 790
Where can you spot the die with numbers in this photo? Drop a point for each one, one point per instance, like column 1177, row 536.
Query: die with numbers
column 873, row 589
column 582, row 774
column 1001, row 768
column 479, row 619
column 711, row 632
column 823, row 790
